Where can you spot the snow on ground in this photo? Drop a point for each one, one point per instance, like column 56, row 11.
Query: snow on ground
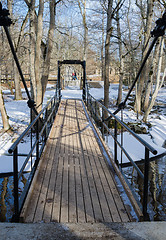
column 157, row 133
column 71, row 94
column 19, row 114
column 19, row 117
column 135, row 149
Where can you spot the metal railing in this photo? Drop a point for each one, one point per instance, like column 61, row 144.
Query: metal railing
column 100, row 114
column 36, row 134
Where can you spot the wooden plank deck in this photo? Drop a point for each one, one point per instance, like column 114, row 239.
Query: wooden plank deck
column 73, row 182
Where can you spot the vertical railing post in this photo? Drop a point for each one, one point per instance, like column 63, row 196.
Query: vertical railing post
column 95, row 112
column 37, row 144
column 84, row 81
column 31, row 136
column 115, row 143
column 55, row 101
column 121, row 137
column 87, row 93
column 86, row 90
column 59, row 81
column 46, row 116
column 53, row 107
column 52, row 118
column 16, row 199
column 146, row 177
column 90, row 105
column 102, row 123
column 87, row 98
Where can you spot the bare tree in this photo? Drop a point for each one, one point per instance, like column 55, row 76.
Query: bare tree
column 107, row 53
column 121, row 64
column 18, row 94
column 40, row 64
column 102, row 47
column 5, row 119
column 159, row 81
column 152, row 74
column 147, row 23
column 37, row 63
column 82, row 7
column 32, row 35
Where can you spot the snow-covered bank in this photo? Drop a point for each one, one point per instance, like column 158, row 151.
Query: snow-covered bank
column 135, row 149
column 19, row 114
column 158, row 121
column 19, row 118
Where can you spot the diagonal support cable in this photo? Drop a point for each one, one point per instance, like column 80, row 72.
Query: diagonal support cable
column 5, row 21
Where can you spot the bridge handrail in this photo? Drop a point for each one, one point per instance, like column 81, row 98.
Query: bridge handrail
column 39, row 130
column 14, row 145
column 99, row 118
column 141, row 140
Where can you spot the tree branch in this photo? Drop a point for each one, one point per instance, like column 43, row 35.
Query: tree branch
column 58, row 2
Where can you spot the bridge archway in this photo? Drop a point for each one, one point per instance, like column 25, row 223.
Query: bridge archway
column 71, row 62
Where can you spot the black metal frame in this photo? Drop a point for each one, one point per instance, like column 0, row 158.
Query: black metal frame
column 97, row 110
column 83, row 64
column 38, row 133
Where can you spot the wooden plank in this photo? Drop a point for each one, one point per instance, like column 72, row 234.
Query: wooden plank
column 78, row 177
column 100, row 189
column 96, row 173
column 56, row 211
column 113, row 199
column 44, row 189
column 64, row 202
column 107, row 198
column 119, row 206
column 94, row 194
column 123, row 211
column 85, row 184
column 33, row 200
column 52, row 182
column 72, row 184
column 107, row 193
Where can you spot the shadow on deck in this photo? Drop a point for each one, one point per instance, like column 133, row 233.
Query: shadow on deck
column 73, row 182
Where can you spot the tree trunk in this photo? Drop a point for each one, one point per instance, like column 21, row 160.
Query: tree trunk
column 83, row 14
column 152, row 75
column 144, row 74
column 32, row 49
column 132, row 55
column 85, row 31
column 102, row 49
column 47, row 61
column 5, row 119
column 120, row 60
column 38, row 56
column 17, row 85
column 18, row 94
column 158, row 83
column 107, row 54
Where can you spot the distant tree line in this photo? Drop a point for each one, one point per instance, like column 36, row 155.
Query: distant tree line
column 104, row 33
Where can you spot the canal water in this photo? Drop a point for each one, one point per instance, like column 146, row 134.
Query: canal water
column 157, row 188
column 6, row 196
